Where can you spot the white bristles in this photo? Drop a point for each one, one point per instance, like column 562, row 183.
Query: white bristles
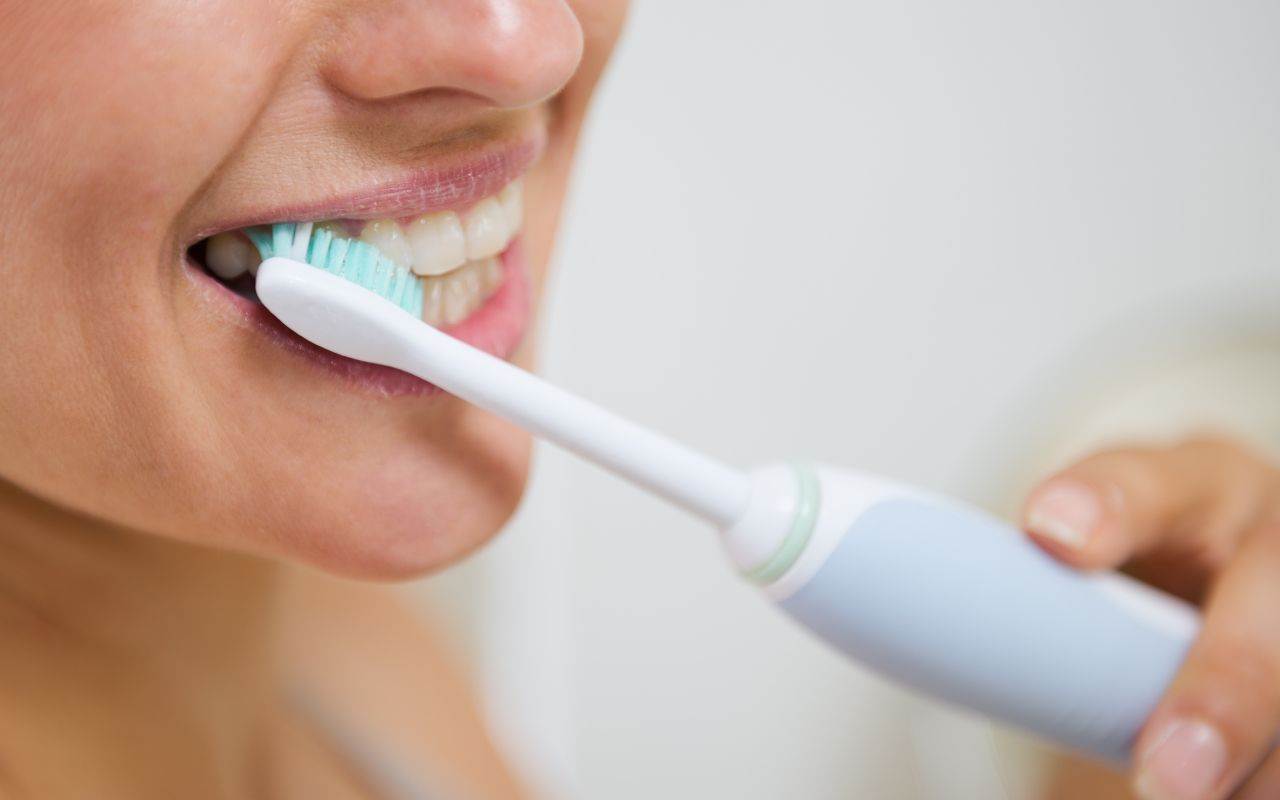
column 301, row 238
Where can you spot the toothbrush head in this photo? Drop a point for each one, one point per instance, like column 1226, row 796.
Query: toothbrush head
column 356, row 261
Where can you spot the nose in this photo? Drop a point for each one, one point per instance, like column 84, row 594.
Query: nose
column 510, row 53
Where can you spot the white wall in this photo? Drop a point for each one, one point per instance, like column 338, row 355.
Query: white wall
column 921, row 237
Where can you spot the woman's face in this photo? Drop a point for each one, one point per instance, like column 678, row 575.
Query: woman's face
column 141, row 390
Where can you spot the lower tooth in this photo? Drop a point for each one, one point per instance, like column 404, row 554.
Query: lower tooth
column 490, row 276
column 459, row 298
column 455, row 307
column 433, row 301
column 449, row 299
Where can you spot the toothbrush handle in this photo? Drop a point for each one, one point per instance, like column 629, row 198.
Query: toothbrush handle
column 940, row 596
column 959, row 605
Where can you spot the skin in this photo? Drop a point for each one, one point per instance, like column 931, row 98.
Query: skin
column 160, row 461
column 163, row 467
column 285, row 104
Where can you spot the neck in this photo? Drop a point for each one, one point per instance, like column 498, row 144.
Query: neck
column 103, row 626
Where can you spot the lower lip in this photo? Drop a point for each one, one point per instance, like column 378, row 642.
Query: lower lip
column 497, row 328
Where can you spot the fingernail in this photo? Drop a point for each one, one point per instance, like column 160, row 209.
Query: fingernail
column 1184, row 762
column 1066, row 512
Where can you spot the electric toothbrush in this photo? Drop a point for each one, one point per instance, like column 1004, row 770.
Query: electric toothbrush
column 932, row 593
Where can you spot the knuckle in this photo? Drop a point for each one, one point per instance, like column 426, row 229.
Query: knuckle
column 1210, row 545
column 1236, row 459
column 1241, row 675
column 1212, row 552
column 1268, row 530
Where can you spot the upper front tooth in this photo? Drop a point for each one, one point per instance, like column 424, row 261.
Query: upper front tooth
column 512, row 200
column 336, row 229
column 385, row 235
column 438, row 243
column 229, row 255
column 486, row 229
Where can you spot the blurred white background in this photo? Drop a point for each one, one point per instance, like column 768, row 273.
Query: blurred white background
column 950, row 242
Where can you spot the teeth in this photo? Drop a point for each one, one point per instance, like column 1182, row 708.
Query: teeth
column 433, row 301
column 461, row 296
column 230, row 255
column 490, row 276
column 486, row 228
column 385, row 235
column 335, row 229
column 438, row 243
column 449, row 299
column 455, row 254
column 512, row 200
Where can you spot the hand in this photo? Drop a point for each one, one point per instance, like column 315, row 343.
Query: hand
column 1202, row 520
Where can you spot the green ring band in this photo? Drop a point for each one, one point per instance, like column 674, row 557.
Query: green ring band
column 802, row 525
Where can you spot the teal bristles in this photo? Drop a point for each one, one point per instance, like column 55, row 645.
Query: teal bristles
column 357, row 261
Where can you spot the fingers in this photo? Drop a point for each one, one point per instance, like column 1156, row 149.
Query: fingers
column 1264, row 784
column 1105, row 509
column 1220, row 717
column 1214, row 506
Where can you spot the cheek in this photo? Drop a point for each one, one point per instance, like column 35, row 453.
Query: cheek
column 602, row 22
column 129, row 106
column 114, row 116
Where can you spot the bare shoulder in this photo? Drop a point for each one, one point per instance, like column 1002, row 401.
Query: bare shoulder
column 374, row 661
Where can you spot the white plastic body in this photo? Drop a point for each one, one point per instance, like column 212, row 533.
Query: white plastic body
column 932, row 593
column 954, row 603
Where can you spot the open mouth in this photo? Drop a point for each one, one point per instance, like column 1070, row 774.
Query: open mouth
column 453, row 227
column 458, row 255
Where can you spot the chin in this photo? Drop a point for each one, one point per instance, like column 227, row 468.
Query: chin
column 399, row 513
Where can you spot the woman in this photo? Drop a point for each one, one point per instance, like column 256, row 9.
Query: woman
column 168, row 451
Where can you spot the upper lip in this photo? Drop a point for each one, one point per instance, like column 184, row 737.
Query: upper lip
column 455, row 184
